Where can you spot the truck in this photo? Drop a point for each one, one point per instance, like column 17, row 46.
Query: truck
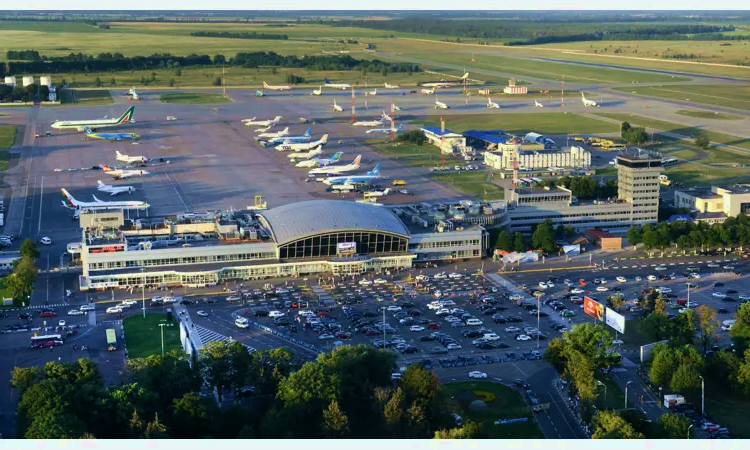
column 111, row 340
column 672, row 400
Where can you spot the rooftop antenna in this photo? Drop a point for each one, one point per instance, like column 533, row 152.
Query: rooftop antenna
column 354, row 108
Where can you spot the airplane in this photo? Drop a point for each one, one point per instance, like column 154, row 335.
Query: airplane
column 320, row 162
column 440, row 105
column 391, row 86
column 379, row 193
column 537, row 104
column 587, row 102
column 368, row 123
column 373, row 92
column 302, row 145
column 385, row 130
column 130, row 159
column 290, row 139
column 259, row 94
column 80, row 125
column 263, row 130
column 133, row 94
column 277, row 88
column 113, row 190
column 491, row 104
column 98, row 205
column 119, row 174
column 110, row 136
column 305, row 155
column 273, row 134
column 318, row 91
column 428, row 91
column 346, row 187
column 355, row 179
column 387, row 117
column 341, row 86
column 337, row 169
column 336, row 107
column 396, row 107
column 263, row 123
column 445, row 84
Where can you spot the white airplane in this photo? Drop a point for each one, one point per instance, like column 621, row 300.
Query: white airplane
column 302, row 146
column 320, row 162
column 369, row 123
column 370, row 93
column 587, row 102
column 428, row 91
column 341, row 86
column 355, row 179
column 342, row 187
column 119, row 174
column 262, row 123
column 491, row 104
column 305, row 155
column 337, row 169
column 130, row 159
column 273, row 134
column 133, row 94
column 537, row 104
column 113, row 190
column 276, row 88
column 440, row 105
column 318, row 91
column 98, row 205
column 385, row 130
column 444, row 84
column 386, row 117
column 290, row 139
column 396, row 107
column 379, row 193
column 336, row 107
column 80, row 125
column 391, row 86
column 263, row 130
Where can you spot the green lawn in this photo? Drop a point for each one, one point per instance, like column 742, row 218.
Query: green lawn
column 7, row 135
column 85, row 97
column 194, row 98
column 707, row 114
column 606, row 172
column 502, row 402
column 691, row 174
column 473, row 183
column 684, row 153
column 727, row 95
column 425, row 155
column 727, row 409
column 545, row 123
column 143, row 337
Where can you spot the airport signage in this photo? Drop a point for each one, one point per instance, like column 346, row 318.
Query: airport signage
column 615, row 321
column 593, row 308
column 347, row 248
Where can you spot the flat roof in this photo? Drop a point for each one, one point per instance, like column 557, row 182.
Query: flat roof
column 491, row 136
column 438, row 132
column 540, row 190
column 737, row 189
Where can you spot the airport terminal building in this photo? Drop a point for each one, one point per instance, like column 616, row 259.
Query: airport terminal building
column 296, row 240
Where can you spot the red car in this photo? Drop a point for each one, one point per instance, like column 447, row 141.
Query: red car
column 578, row 302
column 47, row 314
column 342, row 335
column 373, row 333
column 433, row 326
column 324, row 314
column 582, row 282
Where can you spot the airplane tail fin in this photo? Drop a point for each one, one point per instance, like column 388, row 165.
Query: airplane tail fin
column 265, row 85
column 466, row 75
column 336, row 156
column 117, row 152
column 328, row 81
column 127, row 116
column 106, row 168
column 357, row 161
column 375, row 171
column 285, row 131
column 386, row 191
column 324, row 139
column 88, row 130
column 99, row 184
column 308, row 133
column 71, row 201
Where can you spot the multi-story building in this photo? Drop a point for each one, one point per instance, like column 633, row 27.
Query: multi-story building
column 714, row 205
column 574, row 157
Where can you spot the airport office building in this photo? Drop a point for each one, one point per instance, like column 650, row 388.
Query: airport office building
column 295, row 240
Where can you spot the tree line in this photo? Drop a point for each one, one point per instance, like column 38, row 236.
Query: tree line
column 23, row 93
column 21, row 280
column 733, row 232
column 244, row 35
column 348, row 393
column 692, row 32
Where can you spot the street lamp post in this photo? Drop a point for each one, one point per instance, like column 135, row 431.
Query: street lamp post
column 688, row 432
column 605, row 392
column 703, row 396
column 538, row 295
column 143, row 293
column 626, row 393
column 162, row 325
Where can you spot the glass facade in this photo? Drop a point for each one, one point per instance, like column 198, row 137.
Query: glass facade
column 326, row 245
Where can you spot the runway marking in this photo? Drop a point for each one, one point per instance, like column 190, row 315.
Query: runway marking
column 41, row 203
column 174, row 186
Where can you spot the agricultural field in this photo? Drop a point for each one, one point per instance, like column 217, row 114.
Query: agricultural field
column 545, row 123
column 729, row 96
column 707, row 115
column 475, row 183
column 85, row 97
column 194, row 98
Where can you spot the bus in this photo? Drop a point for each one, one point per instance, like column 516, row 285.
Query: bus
column 669, row 161
column 50, row 340
column 111, row 340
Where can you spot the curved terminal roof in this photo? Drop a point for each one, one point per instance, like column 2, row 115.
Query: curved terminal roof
column 309, row 218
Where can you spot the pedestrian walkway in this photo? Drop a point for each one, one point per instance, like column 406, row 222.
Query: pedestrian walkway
column 205, row 336
column 512, row 288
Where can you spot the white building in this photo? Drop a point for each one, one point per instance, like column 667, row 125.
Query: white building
column 717, row 204
column 574, row 157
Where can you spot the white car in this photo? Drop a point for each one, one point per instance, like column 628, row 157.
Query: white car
column 241, row 322
column 167, row 299
column 719, row 294
column 380, row 281
column 365, row 282
column 744, row 297
column 550, row 284
column 602, row 289
column 664, row 290
column 46, row 241
column 393, row 308
column 451, row 319
column 477, row 374
column 158, row 298
column 638, row 279
column 696, row 276
column 660, row 268
column 326, row 336
column 575, row 299
column 577, row 291
column 516, row 297
column 474, row 322
column 621, row 279
column 416, row 328
column 421, row 278
column 651, row 278
column 130, row 302
column 234, row 298
column 728, row 267
column 713, row 265
column 114, row 310
column 440, row 276
column 447, row 303
column 492, row 337
column 479, row 341
column 75, row 312
column 523, row 337
column 567, row 282
column 61, row 322
column 455, row 275
column 282, row 291
column 542, row 285
column 306, row 313
column 453, row 347
column 275, row 314
column 512, row 329
column 202, row 313
column 87, row 308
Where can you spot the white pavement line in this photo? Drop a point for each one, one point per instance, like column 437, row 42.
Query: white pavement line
column 41, row 203
column 174, row 186
column 519, row 369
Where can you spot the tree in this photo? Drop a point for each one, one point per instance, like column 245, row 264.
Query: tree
column 740, row 332
column 178, row 72
column 702, row 141
column 634, row 234
column 663, row 365
column 682, row 329
column 649, row 238
column 226, row 366
column 624, row 128
column 707, row 323
column 217, row 81
column 29, row 248
column 684, row 378
column 673, row 426
column 469, row 430
column 219, row 60
column 544, row 237
column 591, row 340
column 113, row 81
column 609, row 425
column 171, row 82
column 555, row 354
column 21, row 281
column 22, row 378
column 335, row 421
column 518, row 243
column 155, row 429
column 193, row 417
column 98, row 82
column 504, row 241
column 617, row 301
column 581, row 370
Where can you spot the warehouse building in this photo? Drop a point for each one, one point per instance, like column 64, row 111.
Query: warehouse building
column 446, row 140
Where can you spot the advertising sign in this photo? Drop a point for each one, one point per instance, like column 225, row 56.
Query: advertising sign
column 347, row 248
column 615, row 320
column 572, row 250
column 593, row 308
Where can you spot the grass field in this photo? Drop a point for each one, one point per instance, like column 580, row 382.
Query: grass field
column 502, row 402
column 194, row 98
column 545, row 123
column 143, row 336
column 729, row 410
column 7, row 135
column 85, row 97
column 707, row 114
column 472, row 183
column 729, row 96
column 693, row 174
column 410, row 154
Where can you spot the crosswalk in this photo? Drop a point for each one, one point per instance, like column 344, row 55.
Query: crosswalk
column 205, row 335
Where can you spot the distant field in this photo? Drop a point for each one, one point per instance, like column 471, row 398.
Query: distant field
column 472, row 183
column 693, row 174
column 194, row 98
column 413, row 155
column 546, row 123
column 707, row 115
column 85, row 97
column 7, row 135
column 730, row 96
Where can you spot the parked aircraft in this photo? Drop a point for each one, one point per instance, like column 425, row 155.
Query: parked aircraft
column 95, row 124
column 133, row 94
column 110, row 136
column 355, row 179
column 305, row 155
column 264, row 129
column 428, row 91
column 379, row 193
column 113, row 190
column 98, row 205
column 119, row 174
column 337, row 169
column 391, row 86
column 368, row 123
column 290, row 139
column 370, row 93
column 537, row 104
column 440, row 105
column 385, row 130
column 273, row 134
column 341, row 86
column 276, row 88
column 491, row 104
column 445, row 84
column 299, row 146
column 263, row 123
column 396, row 107
column 318, row 91
column 386, row 117
column 130, row 159
column 587, row 102
column 336, row 107
column 320, row 162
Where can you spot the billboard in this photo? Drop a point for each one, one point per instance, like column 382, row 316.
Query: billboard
column 346, row 248
column 593, row 308
column 572, row 250
column 615, row 320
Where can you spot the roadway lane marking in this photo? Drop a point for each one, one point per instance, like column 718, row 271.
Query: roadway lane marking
column 519, row 369
column 41, row 196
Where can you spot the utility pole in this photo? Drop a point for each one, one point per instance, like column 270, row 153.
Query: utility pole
column 143, row 294
column 162, row 325
column 626, row 393
column 703, row 396
column 365, row 91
